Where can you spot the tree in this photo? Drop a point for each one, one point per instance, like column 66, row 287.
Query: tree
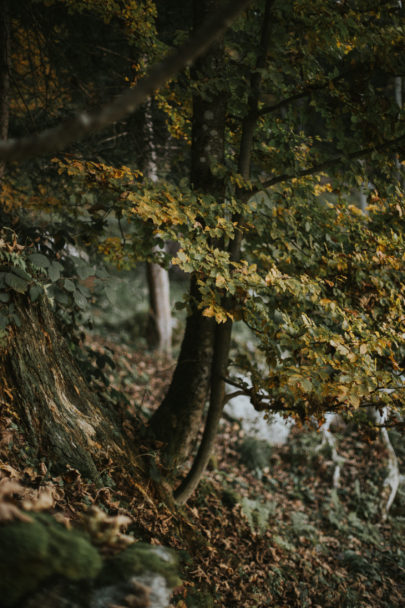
column 275, row 121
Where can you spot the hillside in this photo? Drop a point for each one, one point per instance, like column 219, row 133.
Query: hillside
column 265, row 527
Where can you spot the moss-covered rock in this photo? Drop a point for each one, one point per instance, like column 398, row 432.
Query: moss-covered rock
column 30, row 553
column 44, row 564
column 138, row 559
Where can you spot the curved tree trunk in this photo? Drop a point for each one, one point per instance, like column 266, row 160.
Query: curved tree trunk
column 178, row 419
column 62, row 419
column 223, row 332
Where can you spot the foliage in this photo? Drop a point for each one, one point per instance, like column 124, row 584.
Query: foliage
column 319, row 283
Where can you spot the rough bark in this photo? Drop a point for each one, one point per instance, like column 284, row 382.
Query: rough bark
column 62, row 419
column 178, row 419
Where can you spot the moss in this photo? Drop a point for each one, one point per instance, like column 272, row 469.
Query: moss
column 229, row 498
column 255, row 453
column 33, row 552
column 140, row 558
column 200, row 599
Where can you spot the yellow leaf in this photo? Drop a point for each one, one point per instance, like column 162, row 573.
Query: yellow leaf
column 220, row 281
column 208, row 312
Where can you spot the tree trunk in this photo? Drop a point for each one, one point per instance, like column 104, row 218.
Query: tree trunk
column 62, row 419
column 159, row 330
column 223, row 332
column 178, row 419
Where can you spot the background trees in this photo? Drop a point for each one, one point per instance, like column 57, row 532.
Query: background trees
column 260, row 144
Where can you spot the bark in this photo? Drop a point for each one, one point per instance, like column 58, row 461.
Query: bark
column 62, row 419
column 4, row 73
column 178, row 419
column 159, row 331
column 223, row 332
column 219, row 366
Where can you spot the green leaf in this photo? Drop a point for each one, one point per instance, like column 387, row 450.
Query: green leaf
column 69, row 285
column 84, row 270
column 16, row 283
column 62, row 297
column 110, row 293
column 21, row 273
column 38, row 259
column 102, row 273
column 79, row 299
column 3, row 321
column 35, row 292
column 54, row 271
column 4, row 297
column 84, row 290
column 16, row 319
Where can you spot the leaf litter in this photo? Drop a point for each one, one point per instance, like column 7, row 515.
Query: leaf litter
column 283, row 537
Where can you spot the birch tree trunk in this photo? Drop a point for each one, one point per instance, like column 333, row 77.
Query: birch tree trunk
column 159, row 331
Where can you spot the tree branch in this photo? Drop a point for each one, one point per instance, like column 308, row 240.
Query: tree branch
column 57, row 138
column 327, row 164
column 359, row 68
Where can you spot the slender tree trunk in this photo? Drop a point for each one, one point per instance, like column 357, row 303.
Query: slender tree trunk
column 4, row 72
column 178, row 419
column 159, row 330
column 62, row 419
column 223, row 332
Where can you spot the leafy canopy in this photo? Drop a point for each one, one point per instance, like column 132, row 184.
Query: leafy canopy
column 319, row 282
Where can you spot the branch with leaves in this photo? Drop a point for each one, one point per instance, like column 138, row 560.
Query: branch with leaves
column 59, row 137
column 332, row 162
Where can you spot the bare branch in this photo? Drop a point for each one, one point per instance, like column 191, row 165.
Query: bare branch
column 57, row 138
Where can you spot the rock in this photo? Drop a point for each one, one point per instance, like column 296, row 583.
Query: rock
column 274, row 431
column 150, row 567
column 31, row 553
column 44, row 565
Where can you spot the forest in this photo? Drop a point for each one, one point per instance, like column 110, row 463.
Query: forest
column 202, row 303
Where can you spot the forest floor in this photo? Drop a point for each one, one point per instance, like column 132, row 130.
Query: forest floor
column 277, row 535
